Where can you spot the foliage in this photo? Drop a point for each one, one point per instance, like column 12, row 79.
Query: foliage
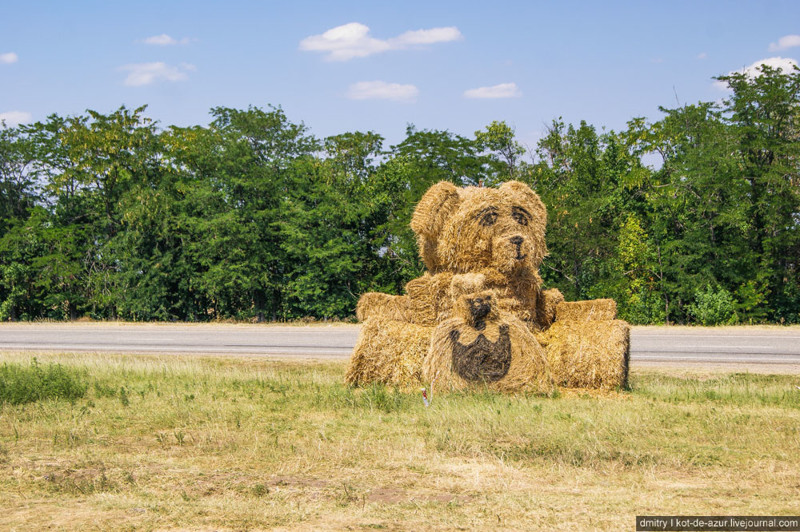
column 713, row 306
column 251, row 217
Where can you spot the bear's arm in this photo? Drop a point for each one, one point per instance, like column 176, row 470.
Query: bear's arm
column 546, row 305
column 428, row 298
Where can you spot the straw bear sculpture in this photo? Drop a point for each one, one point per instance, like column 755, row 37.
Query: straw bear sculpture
column 479, row 316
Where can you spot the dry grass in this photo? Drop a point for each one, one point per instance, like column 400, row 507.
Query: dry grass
column 164, row 443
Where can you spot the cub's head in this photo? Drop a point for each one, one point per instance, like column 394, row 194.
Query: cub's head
column 468, row 229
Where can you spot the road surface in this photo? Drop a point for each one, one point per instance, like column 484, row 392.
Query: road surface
column 310, row 341
column 742, row 347
column 747, row 347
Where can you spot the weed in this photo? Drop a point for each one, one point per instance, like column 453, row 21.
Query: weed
column 259, row 490
column 124, row 400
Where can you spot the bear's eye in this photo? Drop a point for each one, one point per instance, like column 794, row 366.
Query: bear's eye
column 520, row 215
column 487, row 217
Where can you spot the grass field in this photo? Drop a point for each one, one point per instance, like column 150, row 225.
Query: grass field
column 160, row 443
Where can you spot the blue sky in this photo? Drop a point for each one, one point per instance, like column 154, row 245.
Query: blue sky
column 347, row 66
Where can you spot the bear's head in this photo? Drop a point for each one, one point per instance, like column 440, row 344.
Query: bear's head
column 468, row 229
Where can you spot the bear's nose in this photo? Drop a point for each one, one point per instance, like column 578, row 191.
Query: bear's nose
column 516, row 240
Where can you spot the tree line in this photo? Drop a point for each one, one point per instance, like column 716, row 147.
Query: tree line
column 251, row 217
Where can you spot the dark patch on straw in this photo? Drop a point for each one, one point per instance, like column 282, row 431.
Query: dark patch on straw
column 482, row 360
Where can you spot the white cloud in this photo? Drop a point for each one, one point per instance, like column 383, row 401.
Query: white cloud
column 15, row 118
column 147, row 73
column 786, row 64
column 348, row 41
column 787, row 41
column 8, row 58
column 381, row 90
column 344, row 42
column 431, row 36
column 164, row 40
column 503, row 90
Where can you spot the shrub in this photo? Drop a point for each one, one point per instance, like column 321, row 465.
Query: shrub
column 20, row 384
column 713, row 306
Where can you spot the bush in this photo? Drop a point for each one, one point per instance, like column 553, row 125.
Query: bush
column 21, row 384
column 713, row 307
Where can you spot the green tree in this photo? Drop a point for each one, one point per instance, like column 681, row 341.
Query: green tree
column 763, row 112
column 17, row 182
column 579, row 176
column 501, row 150
column 696, row 204
column 636, row 277
column 235, row 175
column 441, row 156
column 331, row 228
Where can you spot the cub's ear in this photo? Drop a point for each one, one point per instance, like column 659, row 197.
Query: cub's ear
column 433, row 210
column 522, row 195
column 430, row 215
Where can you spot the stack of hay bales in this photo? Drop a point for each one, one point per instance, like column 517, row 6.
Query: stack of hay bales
column 482, row 242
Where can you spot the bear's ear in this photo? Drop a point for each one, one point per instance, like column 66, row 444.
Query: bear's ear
column 430, row 215
column 522, row 195
column 433, row 210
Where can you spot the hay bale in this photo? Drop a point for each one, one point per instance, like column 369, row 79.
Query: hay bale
column 521, row 290
column 482, row 348
column 389, row 352
column 383, row 306
column 596, row 309
column 588, row 354
column 426, row 298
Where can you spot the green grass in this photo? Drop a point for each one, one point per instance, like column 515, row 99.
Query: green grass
column 226, row 443
column 20, row 383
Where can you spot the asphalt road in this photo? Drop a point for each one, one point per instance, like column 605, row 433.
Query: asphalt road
column 744, row 347
column 307, row 341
